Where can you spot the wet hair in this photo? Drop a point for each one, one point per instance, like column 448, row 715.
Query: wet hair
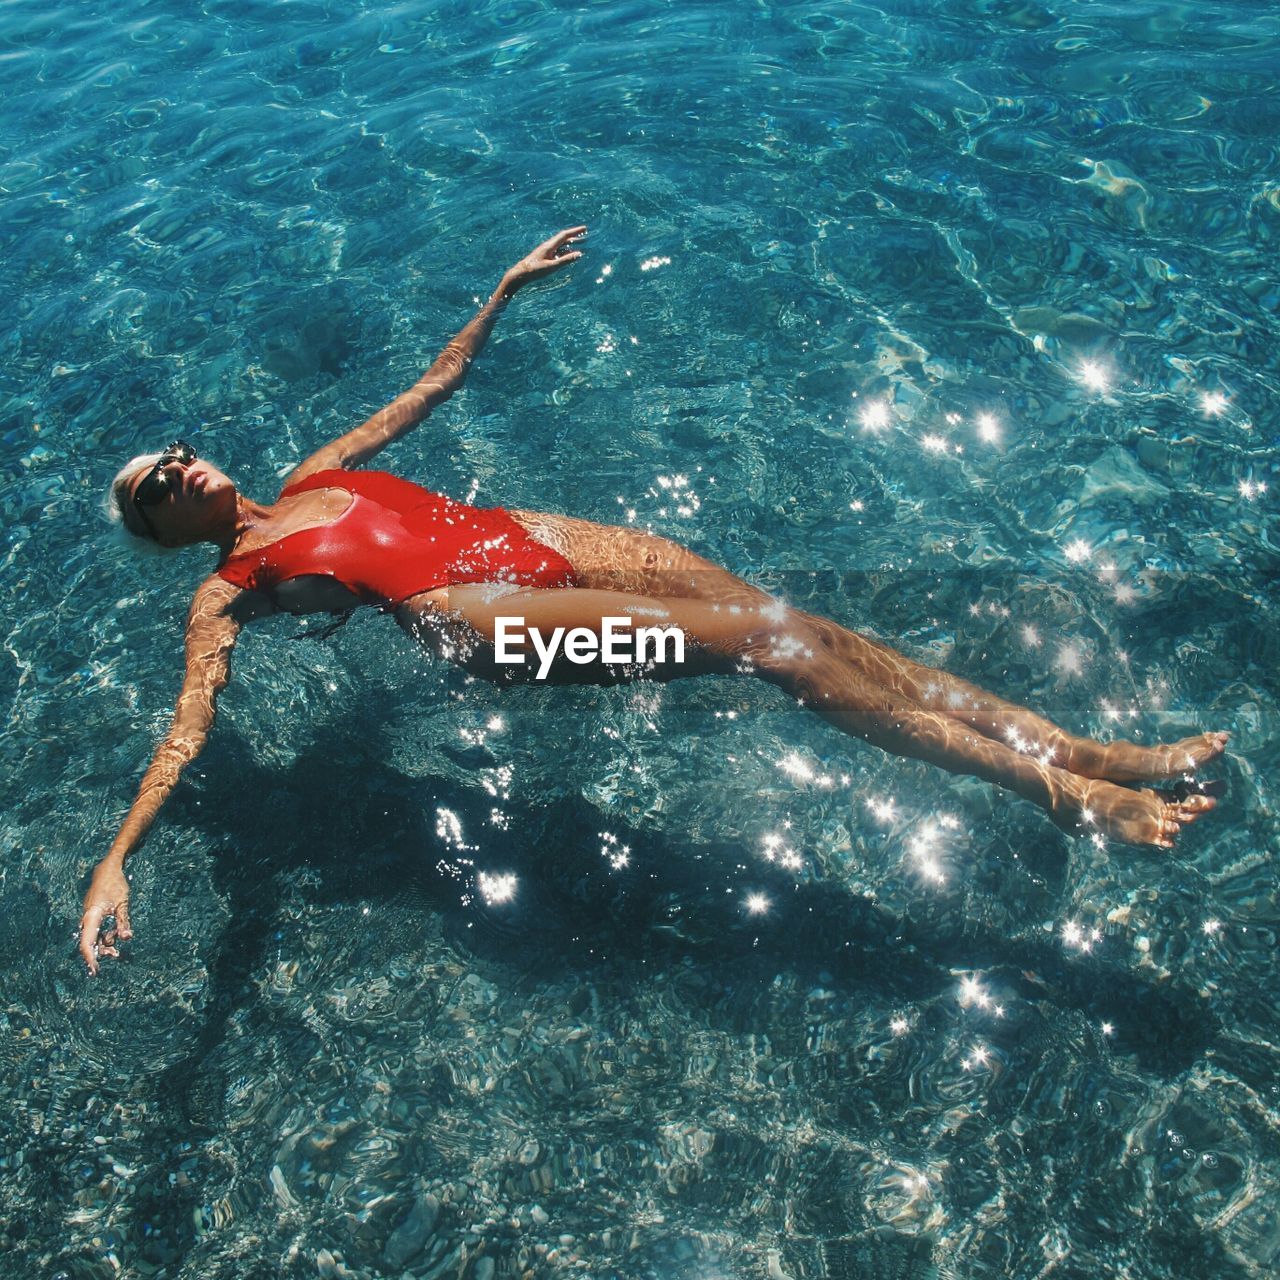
column 124, row 516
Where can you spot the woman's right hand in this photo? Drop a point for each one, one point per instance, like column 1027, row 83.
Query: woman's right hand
column 108, row 896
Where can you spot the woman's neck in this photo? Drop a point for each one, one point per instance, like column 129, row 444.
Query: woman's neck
column 248, row 515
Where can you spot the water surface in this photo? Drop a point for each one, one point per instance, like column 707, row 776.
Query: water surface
column 955, row 321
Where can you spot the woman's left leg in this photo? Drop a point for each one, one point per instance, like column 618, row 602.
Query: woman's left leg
column 471, row 619
column 615, row 558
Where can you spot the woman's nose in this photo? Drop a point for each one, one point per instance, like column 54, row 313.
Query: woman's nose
column 173, row 472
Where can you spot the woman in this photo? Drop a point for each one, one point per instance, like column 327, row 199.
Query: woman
column 460, row 579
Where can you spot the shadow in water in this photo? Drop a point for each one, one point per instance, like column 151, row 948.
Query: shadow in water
column 342, row 827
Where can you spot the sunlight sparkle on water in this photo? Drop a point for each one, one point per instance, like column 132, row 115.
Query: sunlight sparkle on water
column 881, row 809
column 794, row 767
column 1094, row 376
column 1213, row 403
column 1251, row 489
column 757, row 904
column 617, row 854
column 874, row 415
column 777, row 850
column 679, row 490
column 988, row 428
column 1070, row 661
column 899, row 1026
column 1077, row 551
column 924, row 839
column 921, row 846
column 1075, row 935
column 449, row 830
column 496, row 889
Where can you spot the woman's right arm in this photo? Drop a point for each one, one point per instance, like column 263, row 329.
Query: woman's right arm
column 218, row 611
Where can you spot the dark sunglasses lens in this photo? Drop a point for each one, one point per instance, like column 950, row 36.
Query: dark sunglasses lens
column 153, row 489
column 182, row 451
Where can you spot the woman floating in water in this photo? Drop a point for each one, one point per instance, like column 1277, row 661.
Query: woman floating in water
column 474, row 583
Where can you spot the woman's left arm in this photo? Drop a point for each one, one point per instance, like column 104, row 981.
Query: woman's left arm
column 447, row 373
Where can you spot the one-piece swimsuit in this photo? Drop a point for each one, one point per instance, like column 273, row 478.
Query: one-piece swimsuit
column 397, row 539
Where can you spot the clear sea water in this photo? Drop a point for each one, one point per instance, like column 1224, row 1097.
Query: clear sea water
column 954, row 319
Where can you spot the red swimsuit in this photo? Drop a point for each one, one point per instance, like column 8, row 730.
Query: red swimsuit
column 397, row 539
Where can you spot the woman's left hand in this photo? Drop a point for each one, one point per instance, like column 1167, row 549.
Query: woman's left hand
column 549, row 256
column 108, row 896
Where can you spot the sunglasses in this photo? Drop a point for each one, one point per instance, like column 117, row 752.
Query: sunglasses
column 156, row 486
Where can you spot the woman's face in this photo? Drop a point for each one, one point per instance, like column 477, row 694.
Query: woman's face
column 199, row 499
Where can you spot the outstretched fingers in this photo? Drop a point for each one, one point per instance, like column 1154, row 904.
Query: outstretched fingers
column 562, row 238
column 554, row 251
column 550, row 255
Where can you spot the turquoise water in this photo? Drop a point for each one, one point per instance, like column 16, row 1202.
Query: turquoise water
column 953, row 320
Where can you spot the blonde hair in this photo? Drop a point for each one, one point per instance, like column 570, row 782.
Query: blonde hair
column 130, row 529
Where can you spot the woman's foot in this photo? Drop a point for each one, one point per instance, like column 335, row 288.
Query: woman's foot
column 1134, row 817
column 1128, row 762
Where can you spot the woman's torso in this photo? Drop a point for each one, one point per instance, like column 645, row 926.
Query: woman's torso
column 364, row 537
